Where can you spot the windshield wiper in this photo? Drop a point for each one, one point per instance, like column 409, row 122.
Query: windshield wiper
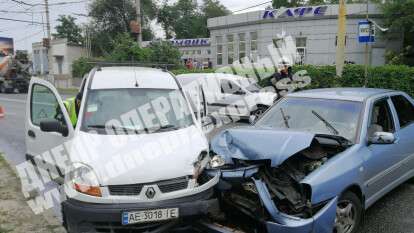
column 162, row 128
column 327, row 124
column 285, row 118
column 112, row 127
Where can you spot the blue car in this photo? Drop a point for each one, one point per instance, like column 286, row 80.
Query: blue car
column 315, row 160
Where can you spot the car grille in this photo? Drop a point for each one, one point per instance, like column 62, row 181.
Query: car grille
column 166, row 186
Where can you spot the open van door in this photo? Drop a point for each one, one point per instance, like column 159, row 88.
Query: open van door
column 48, row 128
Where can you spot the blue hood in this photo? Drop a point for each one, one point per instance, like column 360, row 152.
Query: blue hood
column 260, row 144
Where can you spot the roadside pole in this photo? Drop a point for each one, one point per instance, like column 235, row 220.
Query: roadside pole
column 139, row 21
column 340, row 42
column 367, row 50
column 49, row 38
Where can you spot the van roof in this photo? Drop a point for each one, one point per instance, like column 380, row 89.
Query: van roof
column 126, row 77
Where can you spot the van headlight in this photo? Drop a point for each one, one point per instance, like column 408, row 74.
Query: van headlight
column 217, row 161
column 84, row 180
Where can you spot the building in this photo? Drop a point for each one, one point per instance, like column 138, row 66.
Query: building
column 63, row 53
column 313, row 29
column 198, row 49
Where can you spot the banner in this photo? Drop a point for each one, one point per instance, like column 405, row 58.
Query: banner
column 6, row 46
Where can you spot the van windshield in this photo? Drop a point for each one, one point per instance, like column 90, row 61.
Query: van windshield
column 250, row 84
column 118, row 111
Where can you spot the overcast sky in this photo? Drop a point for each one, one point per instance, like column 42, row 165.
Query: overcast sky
column 24, row 34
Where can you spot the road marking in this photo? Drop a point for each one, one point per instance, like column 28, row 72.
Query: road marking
column 13, row 100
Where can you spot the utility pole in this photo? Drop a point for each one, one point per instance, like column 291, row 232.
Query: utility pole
column 49, row 38
column 139, row 21
column 367, row 48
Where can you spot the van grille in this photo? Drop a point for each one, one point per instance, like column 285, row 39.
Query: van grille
column 166, row 186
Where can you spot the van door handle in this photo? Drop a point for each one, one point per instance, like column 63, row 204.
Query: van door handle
column 31, row 134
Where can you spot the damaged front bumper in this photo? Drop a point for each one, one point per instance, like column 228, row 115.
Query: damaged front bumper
column 321, row 222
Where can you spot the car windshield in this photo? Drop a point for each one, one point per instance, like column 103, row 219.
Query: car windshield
column 136, row 110
column 250, row 84
column 319, row 116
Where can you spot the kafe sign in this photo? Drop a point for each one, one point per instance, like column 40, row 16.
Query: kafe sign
column 191, row 42
column 295, row 12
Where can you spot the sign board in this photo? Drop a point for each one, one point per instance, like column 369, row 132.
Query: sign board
column 6, row 46
column 366, row 32
column 295, row 12
column 191, row 42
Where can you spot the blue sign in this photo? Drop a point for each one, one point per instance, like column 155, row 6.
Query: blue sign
column 296, row 12
column 366, row 32
column 191, row 42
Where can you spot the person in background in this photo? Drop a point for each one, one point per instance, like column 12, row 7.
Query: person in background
column 210, row 64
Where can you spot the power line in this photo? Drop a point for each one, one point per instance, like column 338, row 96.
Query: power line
column 252, row 6
column 51, row 4
column 20, row 20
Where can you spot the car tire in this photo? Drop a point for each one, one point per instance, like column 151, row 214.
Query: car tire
column 348, row 213
column 259, row 111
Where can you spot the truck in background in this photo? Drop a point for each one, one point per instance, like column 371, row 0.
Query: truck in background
column 14, row 68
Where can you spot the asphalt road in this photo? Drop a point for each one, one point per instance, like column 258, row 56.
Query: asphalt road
column 392, row 214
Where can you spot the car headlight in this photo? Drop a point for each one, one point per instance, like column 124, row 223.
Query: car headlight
column 84, row 180
column 217, row 161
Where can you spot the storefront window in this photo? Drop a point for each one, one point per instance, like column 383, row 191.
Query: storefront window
column 219, row 40
column 300, row 50
column 242, row 45
column 253, row 46
column 230, row 49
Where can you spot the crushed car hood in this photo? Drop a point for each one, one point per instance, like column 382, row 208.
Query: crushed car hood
column 260, row 144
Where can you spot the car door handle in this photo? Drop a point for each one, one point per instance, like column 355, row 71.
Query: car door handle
column 31, row 134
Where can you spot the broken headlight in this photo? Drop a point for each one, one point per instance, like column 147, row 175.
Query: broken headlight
column 217, row 161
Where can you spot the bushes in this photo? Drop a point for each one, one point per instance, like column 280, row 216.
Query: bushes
column 387, row 77
column 80, row 67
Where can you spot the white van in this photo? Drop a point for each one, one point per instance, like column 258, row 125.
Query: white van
column 228, row 94
column 135, row 158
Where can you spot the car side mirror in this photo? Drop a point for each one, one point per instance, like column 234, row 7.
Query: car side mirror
column 252, row 119
column 54, row 126
column 382, row 138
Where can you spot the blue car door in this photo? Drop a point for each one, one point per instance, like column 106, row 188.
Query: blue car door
column 382, row 161
column 404, row 109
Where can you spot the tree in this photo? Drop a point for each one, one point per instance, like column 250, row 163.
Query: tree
column 68, row 29
column 286, row 3
column 185, row 19
column 164, row 52
column 112, row 18
column 125, row 48
column 213, row 8
column 399, row 16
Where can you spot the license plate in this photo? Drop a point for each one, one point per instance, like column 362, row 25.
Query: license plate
column 149, row 216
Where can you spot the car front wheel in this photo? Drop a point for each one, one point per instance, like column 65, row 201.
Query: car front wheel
column 348, row 214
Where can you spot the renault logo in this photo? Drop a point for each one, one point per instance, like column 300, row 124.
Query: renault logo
column 150, row 193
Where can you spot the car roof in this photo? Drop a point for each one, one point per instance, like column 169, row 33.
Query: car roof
column 211, row 75
column 127, row 77
column 350, row 94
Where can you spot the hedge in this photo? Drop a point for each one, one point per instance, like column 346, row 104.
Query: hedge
column 395, row 77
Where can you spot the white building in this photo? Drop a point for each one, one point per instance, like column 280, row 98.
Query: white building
column 313, row 28
column 63, row 53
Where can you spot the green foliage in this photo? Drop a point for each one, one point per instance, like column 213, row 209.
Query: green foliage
column 395, row 77
column 164, row 52
column 126, row 49
column 113, row 17
column 81, row 66
column 187, row 71
column 399, row 15
column 185, row 19
column 68, row 29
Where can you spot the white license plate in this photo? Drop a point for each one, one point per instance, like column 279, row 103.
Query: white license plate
column 149, row 216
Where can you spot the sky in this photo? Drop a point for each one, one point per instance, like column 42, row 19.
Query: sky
column 26, row 33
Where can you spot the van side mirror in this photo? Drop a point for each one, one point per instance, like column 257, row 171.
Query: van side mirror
column 252, row 119
column 54, row 126
column 382, row 138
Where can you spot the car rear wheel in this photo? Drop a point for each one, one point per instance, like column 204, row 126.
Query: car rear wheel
column 348, row 214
